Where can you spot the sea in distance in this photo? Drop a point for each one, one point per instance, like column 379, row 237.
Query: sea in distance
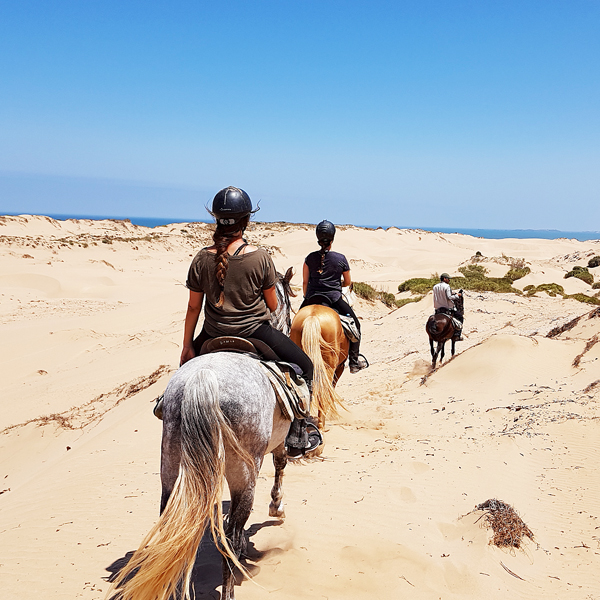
column 494, row 234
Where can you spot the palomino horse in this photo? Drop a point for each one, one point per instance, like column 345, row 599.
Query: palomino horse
column 318, row 331
column 440, row 328
column 220, row 418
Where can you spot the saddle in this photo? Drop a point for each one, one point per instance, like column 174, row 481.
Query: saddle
column 348, row 324
column 291, row 391
column 457, row 323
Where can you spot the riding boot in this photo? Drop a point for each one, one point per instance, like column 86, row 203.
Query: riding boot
column 356, row 361
column 303, row 436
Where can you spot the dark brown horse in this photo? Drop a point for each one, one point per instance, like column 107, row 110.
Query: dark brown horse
column 440, row 328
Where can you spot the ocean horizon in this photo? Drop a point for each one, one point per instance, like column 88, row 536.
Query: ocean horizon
column 494, row 234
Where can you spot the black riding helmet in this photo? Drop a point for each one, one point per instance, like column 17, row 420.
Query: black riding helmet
column 325, row 233
column 230, row 205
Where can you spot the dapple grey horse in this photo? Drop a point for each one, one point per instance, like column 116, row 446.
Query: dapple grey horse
column 220, row 418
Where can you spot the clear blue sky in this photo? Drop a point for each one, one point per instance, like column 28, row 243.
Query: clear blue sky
column 417, row 113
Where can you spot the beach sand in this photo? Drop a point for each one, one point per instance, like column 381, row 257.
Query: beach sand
column 91, row 315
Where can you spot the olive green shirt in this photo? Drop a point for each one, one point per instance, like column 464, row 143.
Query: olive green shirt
column 244, row 308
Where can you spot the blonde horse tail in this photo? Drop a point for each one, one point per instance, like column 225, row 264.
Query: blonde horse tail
column 324, row 396
column 167, row 553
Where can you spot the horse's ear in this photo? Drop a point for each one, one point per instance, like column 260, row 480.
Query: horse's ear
column 289, row 274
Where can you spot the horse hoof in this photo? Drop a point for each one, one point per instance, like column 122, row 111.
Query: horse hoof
column 277, row 511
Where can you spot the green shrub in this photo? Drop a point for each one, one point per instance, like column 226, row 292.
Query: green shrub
column 364, row 290
column 583, row 298
column 473, row 271
column 581, row 273
column 594, row 262
column 596, row 286
column 402, row 301
column 418, row 285
column 514, row 274
column 551, row 288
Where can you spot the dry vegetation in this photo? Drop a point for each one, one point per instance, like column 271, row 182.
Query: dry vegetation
column 509, row 529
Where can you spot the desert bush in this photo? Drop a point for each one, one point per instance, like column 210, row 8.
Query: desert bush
column 418, row 285
column 581, row 273
column 402, row 301
column 596, row 286
column 387, row 298
column 594, row 262
column 551, row 288
column 583, row 298
column 517, row 273
column 364, row 290
column 473, row 271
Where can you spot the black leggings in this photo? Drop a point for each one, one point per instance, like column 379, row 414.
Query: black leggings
column 285, row 349
column 342, row 308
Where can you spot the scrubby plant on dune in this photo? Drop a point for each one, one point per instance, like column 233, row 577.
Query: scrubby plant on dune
column 581, row 273
column 474, row 278
column 367, row 292
column 594, row 262
column 553, row 289
column 596, row 286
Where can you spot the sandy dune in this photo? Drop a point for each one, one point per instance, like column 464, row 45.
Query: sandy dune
column 91, row 318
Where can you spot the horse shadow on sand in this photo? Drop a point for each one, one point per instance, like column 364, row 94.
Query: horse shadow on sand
column 207, row 575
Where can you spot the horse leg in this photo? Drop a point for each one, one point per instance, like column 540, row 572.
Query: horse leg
column 443, row 345
column 436, row 354
column 242, row 483
column 432, row 351
column 453, row 343
column 279, row 460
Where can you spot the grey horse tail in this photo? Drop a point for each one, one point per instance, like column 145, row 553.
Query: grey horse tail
column 168, row 551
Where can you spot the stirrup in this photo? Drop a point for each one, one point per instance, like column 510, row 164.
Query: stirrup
column 315, row 439
column 361, row 363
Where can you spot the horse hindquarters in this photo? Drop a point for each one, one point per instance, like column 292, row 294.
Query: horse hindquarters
column 167, row 553
column 323, row 392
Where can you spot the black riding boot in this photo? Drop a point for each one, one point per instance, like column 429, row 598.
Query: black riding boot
column 304, row 436
column 356, row 361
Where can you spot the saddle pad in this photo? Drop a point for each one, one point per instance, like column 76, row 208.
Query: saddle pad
column 349, row 327
column 290, row 390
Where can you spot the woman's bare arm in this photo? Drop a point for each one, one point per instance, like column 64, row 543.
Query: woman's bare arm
column 270, row 298
column 305, row 276
column 346, row 279
column 191, row 320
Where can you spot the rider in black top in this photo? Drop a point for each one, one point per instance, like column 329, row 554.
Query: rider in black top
column 324, row 273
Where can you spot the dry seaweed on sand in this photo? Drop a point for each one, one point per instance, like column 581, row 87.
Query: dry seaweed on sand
column 509, row 529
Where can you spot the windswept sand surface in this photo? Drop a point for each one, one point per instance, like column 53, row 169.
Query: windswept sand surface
column 91, row 317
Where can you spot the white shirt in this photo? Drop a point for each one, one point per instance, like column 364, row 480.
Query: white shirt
column 442, row 296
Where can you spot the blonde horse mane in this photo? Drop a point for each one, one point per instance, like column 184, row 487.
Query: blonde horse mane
column 324, row 397
column 168, row 551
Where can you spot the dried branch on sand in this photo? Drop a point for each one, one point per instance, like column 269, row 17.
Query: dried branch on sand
column 509, row 529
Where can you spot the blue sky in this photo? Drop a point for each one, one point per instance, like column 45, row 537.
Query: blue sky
column 425, row 113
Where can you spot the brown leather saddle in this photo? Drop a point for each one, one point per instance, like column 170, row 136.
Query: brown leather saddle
column 231, row 343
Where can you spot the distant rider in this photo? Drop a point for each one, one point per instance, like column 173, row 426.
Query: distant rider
column 237, row 281
column 324, row 272
column 443, row 302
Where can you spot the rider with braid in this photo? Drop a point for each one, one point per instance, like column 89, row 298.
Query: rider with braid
column 324, row 273
column 237, row 281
